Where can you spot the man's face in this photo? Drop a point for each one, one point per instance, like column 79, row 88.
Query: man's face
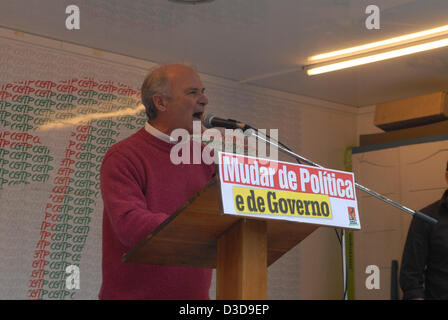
column 187, row 102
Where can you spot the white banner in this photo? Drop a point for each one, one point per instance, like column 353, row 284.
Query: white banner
column 257, row 187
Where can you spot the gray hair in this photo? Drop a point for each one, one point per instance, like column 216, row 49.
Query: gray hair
column 156, row 82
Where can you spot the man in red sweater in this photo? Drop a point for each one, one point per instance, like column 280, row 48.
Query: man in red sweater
column 141, row 187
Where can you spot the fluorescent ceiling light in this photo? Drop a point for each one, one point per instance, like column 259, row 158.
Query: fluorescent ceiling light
column 378, row 57
column 375, row 51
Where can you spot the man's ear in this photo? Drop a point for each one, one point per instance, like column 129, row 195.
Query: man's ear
column 159, row 102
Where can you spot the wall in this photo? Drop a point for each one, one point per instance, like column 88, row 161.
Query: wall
column 36, row 249
column 412, row 175
column 365, row 121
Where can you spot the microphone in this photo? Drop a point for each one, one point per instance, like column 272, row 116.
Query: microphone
column 211, row 121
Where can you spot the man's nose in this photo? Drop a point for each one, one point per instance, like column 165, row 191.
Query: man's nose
column 203, row 100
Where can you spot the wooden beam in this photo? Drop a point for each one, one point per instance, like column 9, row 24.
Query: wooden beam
column 242, row 262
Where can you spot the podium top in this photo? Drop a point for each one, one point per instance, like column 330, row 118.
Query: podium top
column 189, row 236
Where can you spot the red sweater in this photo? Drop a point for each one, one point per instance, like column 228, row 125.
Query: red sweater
column 140, row 189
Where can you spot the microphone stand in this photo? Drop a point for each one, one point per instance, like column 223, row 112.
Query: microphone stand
column 251, row 132
column 415, row 213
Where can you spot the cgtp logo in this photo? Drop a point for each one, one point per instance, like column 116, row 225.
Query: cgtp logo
column 352, row 216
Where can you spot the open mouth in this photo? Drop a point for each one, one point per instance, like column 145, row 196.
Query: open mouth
column 198, row 115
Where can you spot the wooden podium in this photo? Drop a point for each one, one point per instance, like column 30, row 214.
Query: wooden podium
column 240, row 248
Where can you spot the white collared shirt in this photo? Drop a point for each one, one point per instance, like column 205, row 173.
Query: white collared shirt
column 158, row 134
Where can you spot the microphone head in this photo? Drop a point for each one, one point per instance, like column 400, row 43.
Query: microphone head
column 208, row 121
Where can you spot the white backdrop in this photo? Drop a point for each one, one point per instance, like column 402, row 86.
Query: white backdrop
column 54, row 134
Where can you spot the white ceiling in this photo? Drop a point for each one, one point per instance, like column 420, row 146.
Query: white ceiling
column 267, row 41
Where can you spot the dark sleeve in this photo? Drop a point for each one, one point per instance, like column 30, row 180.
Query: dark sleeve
column 125, row 202
column 414, row 260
